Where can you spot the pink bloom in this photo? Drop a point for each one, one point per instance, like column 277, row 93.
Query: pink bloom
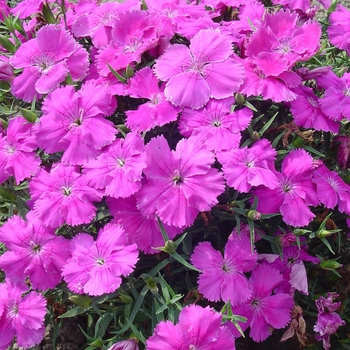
column 332, row 190
column 335, row 102
column 4, row 9
column 222, row 277
column 343, row 153
column 339, row 29
column 215, row 124
column 6, row 71
column 264, row 309
column 303, row 5
column 22, row 317
column 141, row 229
column 157, row 111
column 247, row 167
column 198, row 328
column 130, row 344
column 34, row 251
column 199, row 72
column 128, row 42
column 63, row 197
column 27, row 8
column 328, row 321
column 46, row 62
column 180, row 183
column 118, row 169
column 294, row 193
column 277, row 88
column 307, row 111
column 96, row 267
column 74, row 122
column 17, row 151
column 281, row 41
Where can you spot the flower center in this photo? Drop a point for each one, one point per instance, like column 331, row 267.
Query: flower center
column 121, row 162
column 217, row 123
column 100, row 261
column 66, row 190
column 36, row 247
column 177, row 179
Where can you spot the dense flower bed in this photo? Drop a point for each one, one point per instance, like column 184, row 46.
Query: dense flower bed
column 176, row 172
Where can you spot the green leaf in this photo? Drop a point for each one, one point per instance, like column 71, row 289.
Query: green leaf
column 182, row 261
column 268, row 124
column 7, row 44
column 117, row 75
column 28, row 115
column 74, row 312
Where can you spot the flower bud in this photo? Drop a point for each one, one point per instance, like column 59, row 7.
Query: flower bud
column 170, row 247
column 330, row 265
column 239, row 99
column 130, row 344
column 343, row 154
column 126, row 299
column 255, row 136
column 323, row 233
column 253, row 215
column 80, row 300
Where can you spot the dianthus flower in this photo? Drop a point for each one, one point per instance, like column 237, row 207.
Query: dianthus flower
column 141, row 229
column 73, row 122
column 198, row 328
column 294, row 193
column 96, row 267
column 157, row 111
column 17, row 151
column 63, row 196
column 33, row 251
column 343, row 153
column 264, row 309
column 180, row 183
column 247, row 167
column 215, row 124
column 280, row 42
column 328, row 321
column 222, row 277
column 339, row 30
column 204, row 69
column 118, row 169
column 46, row 61
column 21, row 317
column 27, row 8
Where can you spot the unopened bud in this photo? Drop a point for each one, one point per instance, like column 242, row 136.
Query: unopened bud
column 170, row 247
column 253, row 215
column 239, row 99
column 323, row 233
column 80, row 300
column 126, row 299
column 330, row 265
column 255, row 136
column 129, row 73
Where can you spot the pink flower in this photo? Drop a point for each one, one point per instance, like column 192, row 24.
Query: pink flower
column 294, row 193
column 215, row 124
column 198, row 328
column 180, row 183
column 63, row 197
column 96, row 267
column 332, row 190
column 222, row 277
column 34, row 251
column 199, row 72
column 328, row 321
column 130, row 344
column 264, row 309
column 281, row 41
column 21, row 317
column 339, row 30
column 157, row 111
column 141, row 229
column 17, row 151
column 46, row 61
column 118, row 169
column 343, row 153
column 307, row 111
column 74, row 122
column 247, row 167
column 27, row 8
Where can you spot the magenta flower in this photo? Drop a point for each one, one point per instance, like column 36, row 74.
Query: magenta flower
column 343, row 153
column 339, row 30
column 129, row 344
column 21, row 317
column 215, row 124
column 157, row 111
column 96, row 267
column 247, row 167
column 17, row 151
column 181, row 183
column 264, row 309
column 74, row 122
column 46, row 61
column 222, row 277
column 199, row 72
column 141, row 229
column 63, row 197
column 281, row 41
column 332, row 190
column 307, row 111
column 118, row 169
column 294, row 193
column 198, row 328
column 328, row 321
column 27, row 8
column 34, row 251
